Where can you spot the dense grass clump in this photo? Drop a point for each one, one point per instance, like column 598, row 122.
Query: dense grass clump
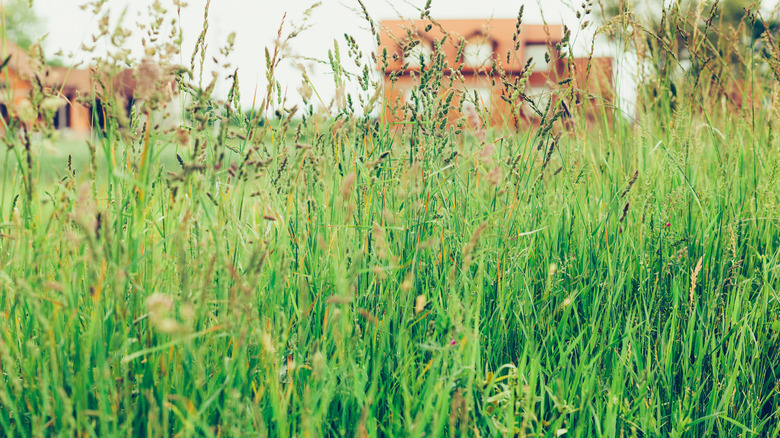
column 327, row 274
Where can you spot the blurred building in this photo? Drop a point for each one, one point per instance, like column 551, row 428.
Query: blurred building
column 22, row 73
column 73, row 117
column 83, row 94
column 494, row 59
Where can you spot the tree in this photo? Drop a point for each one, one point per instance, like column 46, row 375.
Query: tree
column 710, row 28
column 711, row 46
column 20, row 23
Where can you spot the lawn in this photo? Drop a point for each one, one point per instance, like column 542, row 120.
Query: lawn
column 336, row 275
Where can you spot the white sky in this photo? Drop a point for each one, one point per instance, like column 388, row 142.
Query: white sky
column 256, row 22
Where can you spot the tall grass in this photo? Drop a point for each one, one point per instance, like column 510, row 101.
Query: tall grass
column 325, row 274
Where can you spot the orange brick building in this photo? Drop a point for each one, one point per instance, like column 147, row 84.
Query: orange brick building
column 72, row 84
column 16, row 85
column 15, row 76
column 487, row 43
column 77, row 89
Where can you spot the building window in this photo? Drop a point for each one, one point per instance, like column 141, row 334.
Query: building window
column 477, row 98
column 419, row 52
column 407, row 97
column 478, row 54
column 540, row 96
column 61, row 117
column 539, row 54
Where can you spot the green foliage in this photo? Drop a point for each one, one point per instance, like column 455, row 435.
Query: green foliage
column 331, row 275
column 20, row 22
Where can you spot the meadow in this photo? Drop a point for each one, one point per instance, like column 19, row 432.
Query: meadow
column 319, row 273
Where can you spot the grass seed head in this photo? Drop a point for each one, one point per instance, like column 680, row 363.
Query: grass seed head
column 420, row 303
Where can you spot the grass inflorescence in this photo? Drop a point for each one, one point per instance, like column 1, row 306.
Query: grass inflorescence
column 295, row 272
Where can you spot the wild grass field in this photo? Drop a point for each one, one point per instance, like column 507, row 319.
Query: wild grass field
column 327, row 274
